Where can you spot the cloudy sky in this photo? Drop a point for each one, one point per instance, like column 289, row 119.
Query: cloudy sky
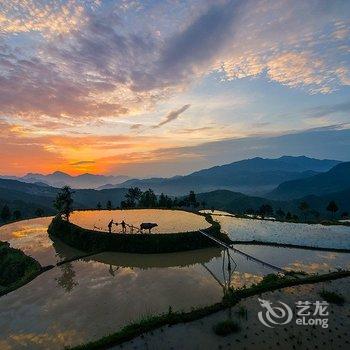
column 166, row 87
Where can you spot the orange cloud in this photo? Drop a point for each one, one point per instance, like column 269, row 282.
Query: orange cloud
column 19, row 154
column 23, row 151
column 19, row 16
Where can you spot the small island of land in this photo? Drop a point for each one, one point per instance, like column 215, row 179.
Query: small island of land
column 97, row 241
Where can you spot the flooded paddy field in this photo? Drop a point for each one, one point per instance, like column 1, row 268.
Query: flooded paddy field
column 31, row 237
column 86, row 299
column 253, row 335
column 169, row 221
column 312, row 235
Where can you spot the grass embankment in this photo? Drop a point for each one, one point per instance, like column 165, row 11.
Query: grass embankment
column 16, row 268
column 93, row 241
column 268, row 284
column 288, row 245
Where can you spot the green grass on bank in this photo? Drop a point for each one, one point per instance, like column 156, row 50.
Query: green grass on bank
column 16, row 268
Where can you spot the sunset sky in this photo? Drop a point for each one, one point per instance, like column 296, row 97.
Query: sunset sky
column 166, row 87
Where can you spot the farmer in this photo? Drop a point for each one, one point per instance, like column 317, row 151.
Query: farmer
column 110, row 226
column 123, row 226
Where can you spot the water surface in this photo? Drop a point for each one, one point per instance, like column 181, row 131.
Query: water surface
column 92, row 297
column 315, row 235
column 169, row 221
column 31, row 237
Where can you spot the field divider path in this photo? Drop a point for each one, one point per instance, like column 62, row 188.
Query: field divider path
column 227, row 246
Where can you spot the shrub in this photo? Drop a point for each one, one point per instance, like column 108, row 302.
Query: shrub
column 15, row 267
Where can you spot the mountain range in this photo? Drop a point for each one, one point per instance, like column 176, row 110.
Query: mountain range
column 60, row 179
column 335, row 180
column 256, row 176
column 28, row 197
column 315, row 181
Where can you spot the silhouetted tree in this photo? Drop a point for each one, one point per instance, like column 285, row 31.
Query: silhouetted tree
column 132, row 197
column 99, row 206
column 162, row 201
column 148, row 199
column 344, row 215
column 304, row 207
column 265, row 210
column 289, row 216
column 295, row 217
column 184, row 202
column 315, row 214
column 109, row 205
column 17, row 214
column 249, row 211
column 64, row 202
column 332, row 207
column 170, row 202
column 39, row 212
column 192, row 200
column 5, row 213
column 203, row 204
column 280, row 213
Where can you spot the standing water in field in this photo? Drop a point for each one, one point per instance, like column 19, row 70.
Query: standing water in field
column 89, row 298
column 168, row 221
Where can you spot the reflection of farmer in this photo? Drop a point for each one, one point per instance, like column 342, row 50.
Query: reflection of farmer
column 110, row 226
column 123, row 226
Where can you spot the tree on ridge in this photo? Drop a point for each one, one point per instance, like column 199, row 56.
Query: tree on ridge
column 64, row 202
column 332, row 207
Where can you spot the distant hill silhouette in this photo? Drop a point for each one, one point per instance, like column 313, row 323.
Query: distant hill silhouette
column 234, row 201
column 315, row 181
column 59, row 179
column 238, row 203
column 254, row 176
column 335, row 180
column 28, row 197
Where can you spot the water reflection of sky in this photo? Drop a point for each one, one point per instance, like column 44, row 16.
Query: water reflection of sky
column 169, row 221
column 333, row 236
column 89, row 298
column 31, row 237
column 298, row 259
column 86, row 300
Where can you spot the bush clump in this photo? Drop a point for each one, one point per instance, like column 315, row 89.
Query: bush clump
column 226, row 327
column 15, row 267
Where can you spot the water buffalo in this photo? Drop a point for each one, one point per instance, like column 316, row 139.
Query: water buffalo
column 147, row 226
